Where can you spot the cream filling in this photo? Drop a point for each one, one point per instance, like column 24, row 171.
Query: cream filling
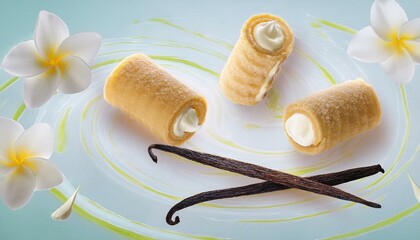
column 269, row 35
column 267, row 80
column 300, row 129
column 187, row 121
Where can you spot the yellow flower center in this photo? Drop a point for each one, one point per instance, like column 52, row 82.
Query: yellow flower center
column 53, row 58
column 398, row 43
column 18, row 158
column 54, row 61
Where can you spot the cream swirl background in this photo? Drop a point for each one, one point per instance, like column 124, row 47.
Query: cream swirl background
column 104, row 152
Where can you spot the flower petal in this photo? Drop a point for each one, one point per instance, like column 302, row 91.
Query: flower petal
column 36, row 142
column 6, row 167
column 76, row 75
column 386, row 17
column 47, row 175
column 366, row 46
column 83, row 45
column 399, row 67
column 39, row 89
column 413, row 48
column 410, row 30
column 64, row 211
column 23, row 60
column 18, row 188
column 10, row 132
column 416, row 189
column 50, row 31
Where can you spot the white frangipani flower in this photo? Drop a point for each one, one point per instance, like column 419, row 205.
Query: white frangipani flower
column 391, row 40
column 53, row 61
column 24, row 162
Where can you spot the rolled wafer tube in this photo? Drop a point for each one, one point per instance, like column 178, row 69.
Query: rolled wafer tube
column 149, row 94
column 324, row 119
column 264, row 44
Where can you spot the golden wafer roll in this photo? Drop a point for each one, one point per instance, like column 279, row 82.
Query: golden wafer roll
column 151, row 96
column 250, row 67
column 336, row 115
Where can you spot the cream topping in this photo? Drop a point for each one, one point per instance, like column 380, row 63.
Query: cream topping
column 267, row 80
column 187, row 121
column 268, row 35
column 300, row 129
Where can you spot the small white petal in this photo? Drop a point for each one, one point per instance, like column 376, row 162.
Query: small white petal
column 413, row 47
column 416, row 189
column 386, row 17
column 399, row 67
column 39, row 89
column 18, row 188
column 10, row 131
column 366, row 46
column 36, row 142
column 50, row 31
column 23, row 60
column 83, row 45
column 410, row 30
column 75, row 75
column 47, row 175
column 64, row 211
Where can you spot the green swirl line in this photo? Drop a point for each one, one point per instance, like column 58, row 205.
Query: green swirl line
column 112, row 227
column 62, row 133
column 404, row 167
column 89, row 105
column 272, row 102
column 122, row 172
column 200, row 35
column 403, row 145
column 327, row 75
column 19, row 112
column 106, row 62
column 300, row 217
column 186, row 62
column 105, row 224
column 234, row 145
column 378, row 225
column 8, row 83
column 322, row 22
column 164, row 58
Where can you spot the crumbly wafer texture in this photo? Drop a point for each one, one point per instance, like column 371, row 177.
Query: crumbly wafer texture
column 337, row 114
column 151, row 96
column 249, row 65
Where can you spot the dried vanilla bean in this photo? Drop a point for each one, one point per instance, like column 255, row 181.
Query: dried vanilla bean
column 255, row 171
column 265, row 187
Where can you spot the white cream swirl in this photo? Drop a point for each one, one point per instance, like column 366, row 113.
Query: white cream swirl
column 268, row 35
column 300, row 129
column 187, row 121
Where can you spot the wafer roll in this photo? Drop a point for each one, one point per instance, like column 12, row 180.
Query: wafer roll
column 250, row 69
column 336, row 115
column 151, row 96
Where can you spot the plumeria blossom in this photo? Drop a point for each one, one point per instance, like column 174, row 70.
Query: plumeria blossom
column 53, row 61
column 391, row 40
column 24, row 162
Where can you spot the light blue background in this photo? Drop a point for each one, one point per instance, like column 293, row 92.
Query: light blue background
column 115, row 19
